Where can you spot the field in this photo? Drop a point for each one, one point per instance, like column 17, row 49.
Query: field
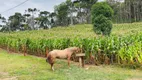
column 79, row 31
column 18, row 67
column 122, row 50
column 123, row 46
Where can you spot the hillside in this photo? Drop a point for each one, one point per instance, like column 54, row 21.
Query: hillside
column 82, row 30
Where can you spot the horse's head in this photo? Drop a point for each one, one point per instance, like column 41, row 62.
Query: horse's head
column 77, row 49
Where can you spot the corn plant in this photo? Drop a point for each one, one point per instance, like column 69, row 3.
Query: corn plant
column 112, row 49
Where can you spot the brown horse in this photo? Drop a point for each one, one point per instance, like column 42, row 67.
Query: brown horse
column 66, row 53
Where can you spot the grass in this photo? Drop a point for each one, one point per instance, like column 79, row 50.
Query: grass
column 81, row 30
column 127, row 28
column 35, row 68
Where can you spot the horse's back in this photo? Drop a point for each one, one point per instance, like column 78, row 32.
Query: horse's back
column 59, row 53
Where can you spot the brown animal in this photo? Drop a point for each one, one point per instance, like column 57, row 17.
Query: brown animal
column 66, row 53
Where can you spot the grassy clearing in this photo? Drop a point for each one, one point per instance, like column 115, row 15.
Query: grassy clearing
column 34, row 68
column 81, row 30
column 127, row 28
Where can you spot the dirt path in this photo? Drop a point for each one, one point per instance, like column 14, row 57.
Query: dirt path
column 135, row 79
column 11, row 78
column 5, row 76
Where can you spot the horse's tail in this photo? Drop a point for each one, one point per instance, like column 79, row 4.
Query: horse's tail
column 46, row 54
column 46, row 59
column 49, row 59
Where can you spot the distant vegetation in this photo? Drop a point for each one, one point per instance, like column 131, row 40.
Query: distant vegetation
column 66, row 13
column 70, row 13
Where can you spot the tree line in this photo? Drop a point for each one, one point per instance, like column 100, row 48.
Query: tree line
column 71, row 13
column 66, row 13
column 126, row 11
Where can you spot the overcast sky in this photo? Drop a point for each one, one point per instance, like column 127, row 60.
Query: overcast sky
column 42, row 5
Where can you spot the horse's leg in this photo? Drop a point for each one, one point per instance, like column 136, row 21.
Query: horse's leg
column 68, row 61
column 51, row 62
column 52, row 66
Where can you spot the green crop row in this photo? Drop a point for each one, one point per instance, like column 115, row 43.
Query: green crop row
column 112, row 49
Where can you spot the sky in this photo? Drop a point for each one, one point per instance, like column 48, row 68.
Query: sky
column 42, row 5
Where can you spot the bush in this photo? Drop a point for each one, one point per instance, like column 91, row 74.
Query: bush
column 101, row 8
column 101, row 18
column 102, row 25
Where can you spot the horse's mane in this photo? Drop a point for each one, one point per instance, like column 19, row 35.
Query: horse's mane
column 72, row 48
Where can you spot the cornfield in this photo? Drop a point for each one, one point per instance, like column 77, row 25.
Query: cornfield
column 106, row 50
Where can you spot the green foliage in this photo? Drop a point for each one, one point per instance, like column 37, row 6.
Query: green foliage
column 43, row 19
column 62, row 13
column 101, row 8
column 16, row 20
column 26, row 26
column 101, row 15
column 102, row 25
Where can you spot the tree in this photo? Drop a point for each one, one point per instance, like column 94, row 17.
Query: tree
column 70, row 10
column 3, row 20
column 101, row 18
column 26, row 17
column 83, row 8
column 116, row 6
column 62, row 14
column 0, row 16
column 52, row 16
column 126, row 10
column 32, row 12
column 134, row 9
column 15, row 21
column 26, row 21
column 43, row 19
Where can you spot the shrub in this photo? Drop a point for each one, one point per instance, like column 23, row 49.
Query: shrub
column 102, row 25
column 101, row 8
column 101, row 18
